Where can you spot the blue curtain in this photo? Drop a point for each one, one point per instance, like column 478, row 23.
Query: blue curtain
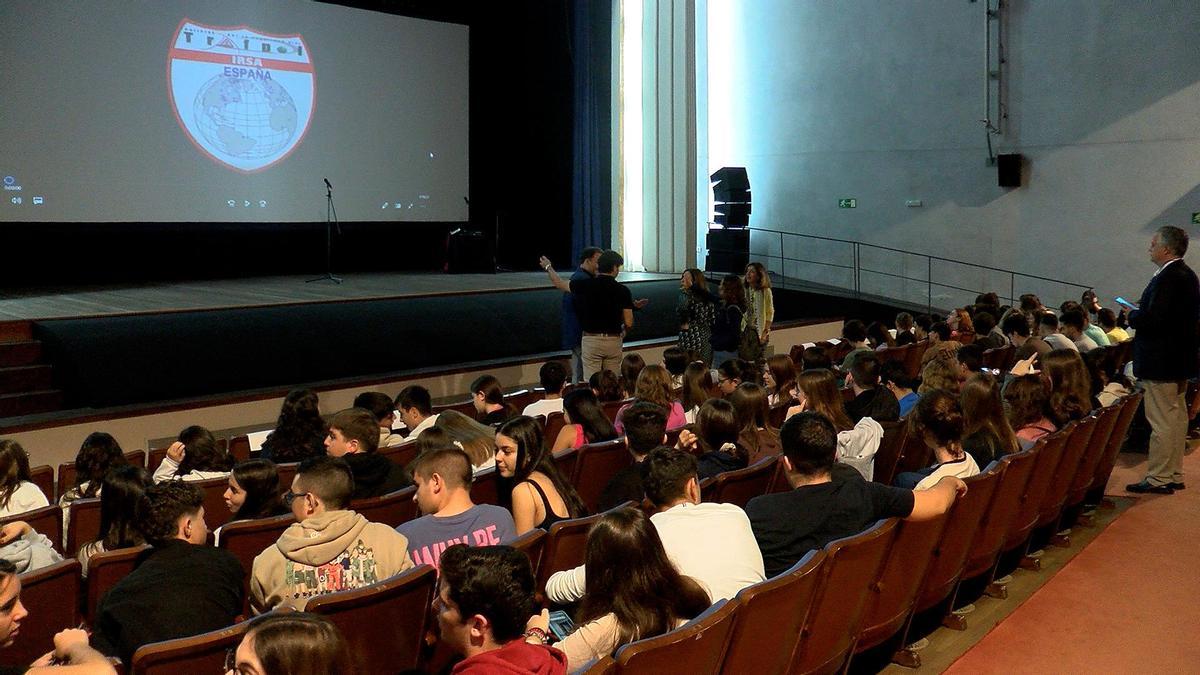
column 591, row 53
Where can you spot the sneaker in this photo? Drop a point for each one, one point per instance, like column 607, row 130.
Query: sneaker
column 964, row 610
column 1004, row 580
column 919, row 645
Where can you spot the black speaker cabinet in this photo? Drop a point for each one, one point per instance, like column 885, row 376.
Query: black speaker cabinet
column 728, row 251
column 468, row 251
column 1008, row 168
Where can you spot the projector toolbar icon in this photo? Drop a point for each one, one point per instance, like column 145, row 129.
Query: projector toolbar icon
column 37, row 201
column 16, row 200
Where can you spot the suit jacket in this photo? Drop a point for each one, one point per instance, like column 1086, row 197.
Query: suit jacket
column 1166, row 343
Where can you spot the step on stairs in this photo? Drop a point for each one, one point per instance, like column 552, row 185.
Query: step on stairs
column 26, row 380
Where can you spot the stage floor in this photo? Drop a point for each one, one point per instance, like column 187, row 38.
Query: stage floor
column 126, row 299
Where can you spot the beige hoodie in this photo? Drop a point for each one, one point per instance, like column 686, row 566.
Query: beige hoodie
column 334, row 551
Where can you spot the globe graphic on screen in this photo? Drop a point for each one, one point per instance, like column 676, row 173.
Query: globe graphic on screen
column 245, row 117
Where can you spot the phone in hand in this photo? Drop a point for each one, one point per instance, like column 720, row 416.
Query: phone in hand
column 1125, row 303
column 560, row 624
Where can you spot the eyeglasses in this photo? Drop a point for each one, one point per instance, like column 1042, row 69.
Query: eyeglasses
column 289, row 497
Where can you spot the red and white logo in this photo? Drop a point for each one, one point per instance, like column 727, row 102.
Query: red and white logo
column 244, row 97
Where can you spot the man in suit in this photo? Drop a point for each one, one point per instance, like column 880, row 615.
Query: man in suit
column 1165, row 357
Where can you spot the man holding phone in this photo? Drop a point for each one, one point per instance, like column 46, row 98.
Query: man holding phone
column 1165, row 357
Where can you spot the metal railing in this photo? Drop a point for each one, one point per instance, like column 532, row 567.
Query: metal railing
column 817, row 262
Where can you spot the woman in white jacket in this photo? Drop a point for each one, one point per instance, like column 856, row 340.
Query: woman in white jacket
column 195, row 456
column 817, row 390
column 18, row 494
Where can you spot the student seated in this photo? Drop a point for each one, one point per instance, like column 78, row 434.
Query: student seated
column 488, row 397
column 552, row 376
column 194, row 456
column 986, row 434
column 711, row 543
column 631, row 367
column 825, row 504
column 123, row 489
column 484, row 601
column 697, row 383
column 606, row 386
column 633, row 591
column 530, row 484
column 716, row 439
column 779, row 379
column 293, row 643
column 893, row 376
column 475, row 439
column 817, row 391
column 25, row 548
column 354, row 437
column 645, row 429
column 757, row 436
column 443, row 478
column 300, row 431
column 330, row 549
column 253, row 492
column 99, row 453
column 870, row 399
column 18, row 494
column 938, row 421
column 675, row 360
column 181, row 587
column 654, row 386
column 416, row 410
column 1025, row 398
column 584, row 422
column 71, row 654
column 380, row 406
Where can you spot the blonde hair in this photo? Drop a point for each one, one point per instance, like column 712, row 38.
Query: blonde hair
column 477, row 440
column 654, row 385
column 819, row 386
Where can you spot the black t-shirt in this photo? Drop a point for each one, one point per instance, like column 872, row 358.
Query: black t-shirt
column 600, row 303
column 878, row 403
column 788, row 525
column 375, row 475
column 624, row 486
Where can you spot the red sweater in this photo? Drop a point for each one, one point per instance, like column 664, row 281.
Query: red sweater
column 515, row 658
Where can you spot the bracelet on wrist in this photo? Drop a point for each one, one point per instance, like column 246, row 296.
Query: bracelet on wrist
column 535, row 632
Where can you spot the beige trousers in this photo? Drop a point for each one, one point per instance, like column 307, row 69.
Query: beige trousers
column 600, row 353
column 1166, row 410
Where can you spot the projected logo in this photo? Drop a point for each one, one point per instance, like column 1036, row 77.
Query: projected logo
column 244, row 97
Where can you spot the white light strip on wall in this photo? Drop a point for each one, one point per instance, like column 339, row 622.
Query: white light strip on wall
column 631, row 132
column 723, row 18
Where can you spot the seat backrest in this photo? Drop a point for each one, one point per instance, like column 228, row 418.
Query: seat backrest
column 287, row 472
column 601, row 666
column 83, row 525
column 852, row 566
column 1104, row 469
column 43, row 477
column 897, row 354
column 47, row 520
column 1030, row 506
column 554, row 425
column 742, row 485
column 777, row 415
column 384, row 623
column 565, row 545
column 1060, row 484
column 136, row 458
column 968, row 521
column 595, row 464
column 888, row 455
column 246, row 539
column 998, row 357
column 204, row 653
column 239, row 448
column 912, row 360
column 52, row 595
column 484, row 487
column 66, row 479
column 696, row 647
column 466, row 407
column 105, row 570
column 390, row 509
column 533, row 543
column 154, row 458
column 564, row 461
column 914, row 455
column 216, row 513
column 521, row 399
column 772, row 612
column 903, row 572
column 1106, row 421
column 611, row 408
column 400, row 455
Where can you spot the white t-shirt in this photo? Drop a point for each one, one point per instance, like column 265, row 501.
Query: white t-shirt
column 962, row 468
column 544, row 407
column 27, row 497
column 166, row 471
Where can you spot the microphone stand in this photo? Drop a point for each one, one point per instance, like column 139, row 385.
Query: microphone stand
column 330, row 221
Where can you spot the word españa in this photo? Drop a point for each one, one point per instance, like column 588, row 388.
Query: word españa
column 263, row 45
column 251, row 73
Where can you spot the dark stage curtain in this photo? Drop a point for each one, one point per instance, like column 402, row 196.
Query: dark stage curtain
column 591, row 53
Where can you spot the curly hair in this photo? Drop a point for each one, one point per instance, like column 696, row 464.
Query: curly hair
column 300, row 432
column 99, row 454
column 14, row 469
column 161, row 507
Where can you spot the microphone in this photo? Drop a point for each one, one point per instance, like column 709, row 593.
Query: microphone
column 327, row 184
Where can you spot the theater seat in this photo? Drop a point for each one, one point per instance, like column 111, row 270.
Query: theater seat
column 696, row 648
column 484, row 489
column 51, row 595
column 1000, row 518
column 595, row 464
column 46, row 520
column 43, row 477
column 384, row 623
column 216, row 513
column 533, row 544
column 1108, row 461
column 740, row 486
column 390, row 509
column 400, row 455
column 83, row 525
column 770, row 617
column 105, row 570
column 566, row 543
column 203, row 653
column 888, row 455
column 246, row 539
column 554, row 424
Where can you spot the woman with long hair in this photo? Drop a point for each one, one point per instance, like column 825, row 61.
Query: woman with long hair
column 18, row 494
column 488, row 397
column 631, row 367
column 697, row 382
column 632, row 590
column 941, row 372
column 99, row 454
column 300, row 431
column 122, row 489
column 654, row 386
column 757, row 435
column 727, row 324
column 1070, row 386
column 584, row 421
column 253, row 490
column 292, row 643
column 475, row 439
column 715, row 439
column 818, row 391
column 1026, row 400
column 606, row 386
column 779, row 379
column 530, row 484
column 987, row 435
column 697, row 310
column 194, row 456
column 760, row 304
column 879, row 337
column 732, row 373
column 938, row 420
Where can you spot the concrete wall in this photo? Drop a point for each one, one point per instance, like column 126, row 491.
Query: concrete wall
column 882, row 101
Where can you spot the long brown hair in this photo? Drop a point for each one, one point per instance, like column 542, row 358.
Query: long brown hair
column 819, row 387
column 654, row 385
column 783, row 371
column 764, row 280
column 14, row 469
column 937, row 419
column 1026, row 399
column 732, row 292
column 630, row 576
column 477, row 440
column 533, row 455
column 631, row 367
column 299, row 643
column 1070, row 385
column 697, row 381
column 983, row 409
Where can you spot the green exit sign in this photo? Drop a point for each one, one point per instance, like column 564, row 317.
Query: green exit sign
column 1196, row 218
column 851, row 203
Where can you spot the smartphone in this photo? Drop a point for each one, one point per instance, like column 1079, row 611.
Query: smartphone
column 560, row 624
column 1126, row 303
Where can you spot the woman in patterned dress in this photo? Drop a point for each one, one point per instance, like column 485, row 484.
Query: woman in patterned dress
column 697, row 310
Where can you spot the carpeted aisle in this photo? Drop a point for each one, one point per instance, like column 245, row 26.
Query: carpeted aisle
column 1128, row 603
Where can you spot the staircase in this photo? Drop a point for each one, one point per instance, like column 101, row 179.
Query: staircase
column 26, row 381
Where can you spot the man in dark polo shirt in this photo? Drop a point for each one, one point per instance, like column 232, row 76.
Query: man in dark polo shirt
column 828, row 501
column 605, row 310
